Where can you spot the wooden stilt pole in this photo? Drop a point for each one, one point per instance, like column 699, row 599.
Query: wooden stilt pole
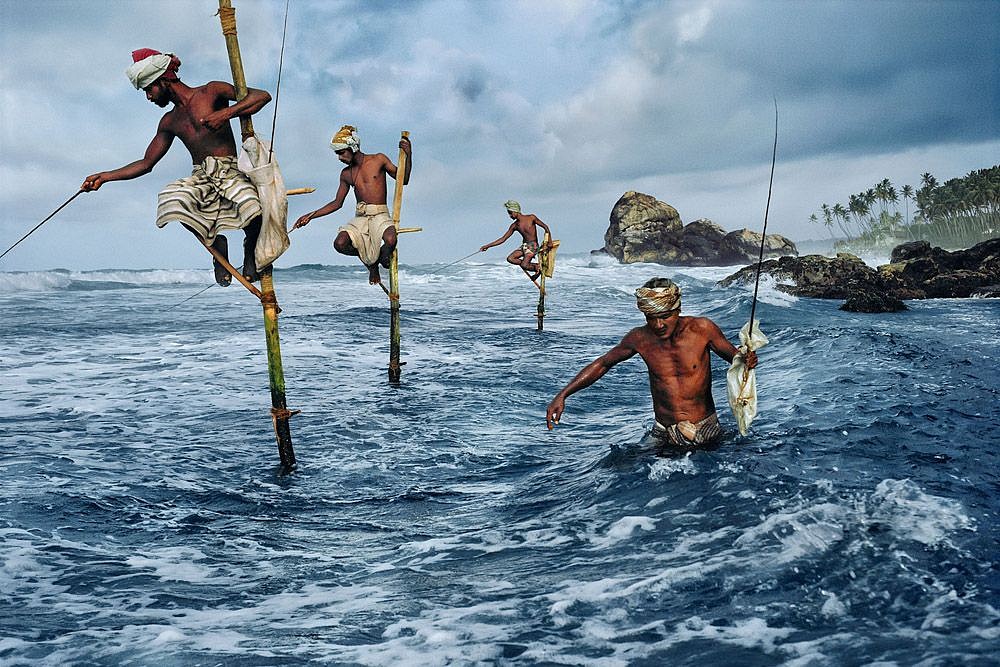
column 542, row 258
column 395, row 368
column 279, row 408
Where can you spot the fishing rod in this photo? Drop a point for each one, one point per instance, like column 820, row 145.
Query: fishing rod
column 763, row 233
column 51, row 215
column 277, row 88
column 454, row 263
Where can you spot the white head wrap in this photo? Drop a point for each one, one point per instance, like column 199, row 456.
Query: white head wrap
column 659, row 301
column 512, row 205
column 148, row 70
column 347, row 137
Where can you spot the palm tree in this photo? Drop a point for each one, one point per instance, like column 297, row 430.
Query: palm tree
column 907, row 192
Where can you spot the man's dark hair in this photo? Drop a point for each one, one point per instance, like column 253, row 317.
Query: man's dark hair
column 658, row 282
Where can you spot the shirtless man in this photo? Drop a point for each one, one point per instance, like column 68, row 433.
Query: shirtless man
column 676, row 351
column 370, row 236
column 524, row 224
column 217, row 196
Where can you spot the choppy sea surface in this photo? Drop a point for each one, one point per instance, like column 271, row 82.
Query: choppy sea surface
column 143, row 520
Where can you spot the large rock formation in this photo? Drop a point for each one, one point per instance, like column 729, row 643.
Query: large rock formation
column 644, row 229
column 917, row 271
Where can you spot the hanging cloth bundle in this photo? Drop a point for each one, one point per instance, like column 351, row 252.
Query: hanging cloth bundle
column 261, row 168
column 741, row 382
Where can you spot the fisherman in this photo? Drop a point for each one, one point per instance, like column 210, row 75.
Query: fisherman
column 676, row 351
column 217, row 196
column 526, row 225
column 370, row 236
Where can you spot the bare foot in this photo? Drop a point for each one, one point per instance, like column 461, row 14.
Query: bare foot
column 222, row 275
column 373, row 275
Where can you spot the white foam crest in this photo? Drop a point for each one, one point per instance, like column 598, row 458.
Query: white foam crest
column 916, row 515
column 662, row 469
column 623, row 529
column 34, row 281
column 804, row 531
column 43, row 281
column 768, row 292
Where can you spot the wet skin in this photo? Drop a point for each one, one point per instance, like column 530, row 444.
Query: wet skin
column 200, row 119
column 676, row 350
column 366, row 174
column 525, row 224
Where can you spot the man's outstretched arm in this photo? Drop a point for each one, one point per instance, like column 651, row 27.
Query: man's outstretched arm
column 157, row 149
column 590, row 374
column 332, row 206
column 510, row 230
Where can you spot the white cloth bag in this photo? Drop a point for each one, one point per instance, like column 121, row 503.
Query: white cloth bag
column 266, row 177
column 741, row 382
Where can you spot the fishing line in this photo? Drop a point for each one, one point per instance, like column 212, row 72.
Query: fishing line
column 767, row 208
column 277, row 88
column 454, row 263
column 78, row 193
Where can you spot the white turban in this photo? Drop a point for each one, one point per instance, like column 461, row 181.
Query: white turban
column 659, row 301
column 347, row 137
column 512, row 205
column 148, row 70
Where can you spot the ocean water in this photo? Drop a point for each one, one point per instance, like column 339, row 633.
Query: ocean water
column 143, row 520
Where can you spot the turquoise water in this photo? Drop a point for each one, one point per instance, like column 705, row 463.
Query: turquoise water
column 143, row 519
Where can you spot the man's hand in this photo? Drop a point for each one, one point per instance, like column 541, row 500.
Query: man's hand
column 215, row 120
column 94, row 181
column 303, row 221
column 751, row 359
column 404, row 145
column 484, row 248
column 554, row 411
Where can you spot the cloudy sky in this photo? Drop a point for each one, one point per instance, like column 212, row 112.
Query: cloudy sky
column 561, row 104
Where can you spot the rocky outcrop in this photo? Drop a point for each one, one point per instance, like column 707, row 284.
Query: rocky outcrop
column 917, row 271
column 640, row 226
column 644, row 229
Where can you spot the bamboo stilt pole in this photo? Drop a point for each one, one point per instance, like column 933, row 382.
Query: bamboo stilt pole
column 269, row 302
column 395, row 369
column 542, row 259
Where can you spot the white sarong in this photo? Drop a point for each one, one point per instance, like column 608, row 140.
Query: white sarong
column 366, row 230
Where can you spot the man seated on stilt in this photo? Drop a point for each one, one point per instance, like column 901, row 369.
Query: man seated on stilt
column 217, row 197
column 526, row 225
column 370, row 236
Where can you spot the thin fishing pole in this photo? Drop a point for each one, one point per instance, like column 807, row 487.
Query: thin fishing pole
column 455, row 262
column 199, row 293
column 277, row 89
column 78, row 193
column 760, row 258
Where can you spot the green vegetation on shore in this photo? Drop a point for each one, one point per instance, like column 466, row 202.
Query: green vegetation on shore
column 956, row 214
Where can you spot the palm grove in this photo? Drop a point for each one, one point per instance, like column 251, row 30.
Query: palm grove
column 957, row 213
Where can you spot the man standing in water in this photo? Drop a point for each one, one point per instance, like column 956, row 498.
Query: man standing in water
column 370, row 236
column 676, row 351
column 217, row 196
column 526, row 225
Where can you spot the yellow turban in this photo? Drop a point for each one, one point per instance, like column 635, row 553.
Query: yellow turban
column 512, row 205
column 346, row 137
column 659, row 301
